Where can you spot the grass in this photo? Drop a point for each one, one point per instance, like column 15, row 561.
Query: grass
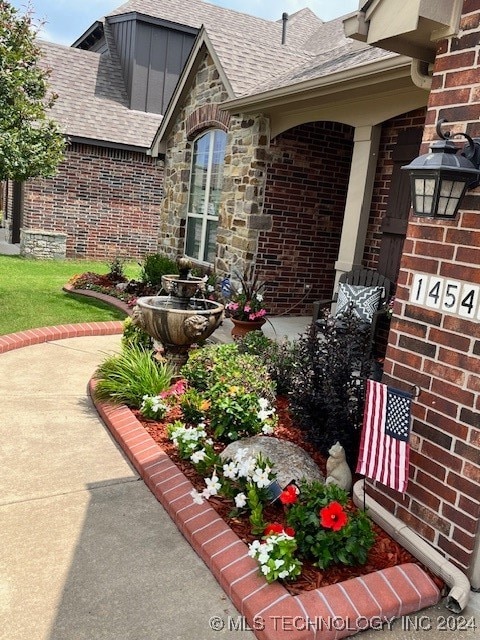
column 31, row 294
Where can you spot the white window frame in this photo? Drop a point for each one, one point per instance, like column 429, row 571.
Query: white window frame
column 204, row 216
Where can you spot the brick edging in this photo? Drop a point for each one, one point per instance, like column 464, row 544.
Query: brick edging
column 103, row 297
column 329, row 613
column 29, row 337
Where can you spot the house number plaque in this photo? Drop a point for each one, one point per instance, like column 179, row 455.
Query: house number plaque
column 455, row 297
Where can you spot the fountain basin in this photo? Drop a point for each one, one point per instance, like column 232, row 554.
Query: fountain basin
column 161, row 318
column 182, row 288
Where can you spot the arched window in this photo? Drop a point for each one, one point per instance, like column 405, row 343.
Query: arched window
column 205, row 193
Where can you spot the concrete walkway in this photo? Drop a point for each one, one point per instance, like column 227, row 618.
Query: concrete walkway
column 86, row 552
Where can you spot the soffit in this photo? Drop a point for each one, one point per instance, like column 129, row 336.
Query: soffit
column 410, row 27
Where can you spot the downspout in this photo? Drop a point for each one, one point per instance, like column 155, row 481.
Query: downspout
column 458, row 596
column 420, row 72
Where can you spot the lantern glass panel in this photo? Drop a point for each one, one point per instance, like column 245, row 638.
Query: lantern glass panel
column 450, row 193
column 424, row 192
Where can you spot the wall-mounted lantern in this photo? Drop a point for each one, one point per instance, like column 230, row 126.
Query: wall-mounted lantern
column 440, row 178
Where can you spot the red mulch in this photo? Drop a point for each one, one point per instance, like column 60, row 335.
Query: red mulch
column 385, row 552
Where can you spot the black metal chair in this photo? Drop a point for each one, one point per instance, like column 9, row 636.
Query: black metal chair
column 359, row 278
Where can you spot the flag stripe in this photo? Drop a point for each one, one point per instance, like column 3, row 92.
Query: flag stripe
column 384, row 448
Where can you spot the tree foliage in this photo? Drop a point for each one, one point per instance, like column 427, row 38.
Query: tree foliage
column 31, row 143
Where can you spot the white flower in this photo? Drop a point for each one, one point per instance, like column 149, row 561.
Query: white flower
column 263, row 557
column 240, row 455
column 253, row 548
column 267, row 429
column 246, row 468
column 197, row 497
column 278, row 563
column 213, row 485
column 264, row 403
column 240, row 500
column 283, row 574
column 230, row 470
column 198, row 456
column 263, row 415
column 265, row 570
column 260, row 477
column 259, row 297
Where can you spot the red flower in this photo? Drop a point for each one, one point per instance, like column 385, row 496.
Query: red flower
column 274, row 527
column 289, row 495
column 333, row 516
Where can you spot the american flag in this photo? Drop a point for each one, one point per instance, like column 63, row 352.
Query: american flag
column 384, row 449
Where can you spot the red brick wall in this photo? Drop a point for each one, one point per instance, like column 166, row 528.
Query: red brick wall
column 302, row 245
column 439, row 352
column 106, row 200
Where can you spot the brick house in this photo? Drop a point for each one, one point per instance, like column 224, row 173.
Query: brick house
column 107, row 185
column 308, row 155
column 283, row 144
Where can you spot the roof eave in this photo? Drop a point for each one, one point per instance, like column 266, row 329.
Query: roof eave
column 95, row 32
column 183, row 85
column 362, row 75
column 97, row 142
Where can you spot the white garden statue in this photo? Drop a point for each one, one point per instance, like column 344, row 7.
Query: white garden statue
column 338, row 471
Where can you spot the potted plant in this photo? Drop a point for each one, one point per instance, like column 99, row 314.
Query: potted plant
column 244, row 304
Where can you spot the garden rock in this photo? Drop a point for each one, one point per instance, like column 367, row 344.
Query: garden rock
column 291, row 462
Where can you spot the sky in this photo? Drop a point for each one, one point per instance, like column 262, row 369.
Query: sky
column 66, row 20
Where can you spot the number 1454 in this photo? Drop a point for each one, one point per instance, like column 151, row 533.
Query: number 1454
column 450, row 296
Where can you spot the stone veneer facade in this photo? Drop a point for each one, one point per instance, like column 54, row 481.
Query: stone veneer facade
column 240, row 218
column 438, row 351
column 106, row 201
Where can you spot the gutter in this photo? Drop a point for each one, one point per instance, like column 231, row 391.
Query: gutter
column 457, row 598
column 384, row 69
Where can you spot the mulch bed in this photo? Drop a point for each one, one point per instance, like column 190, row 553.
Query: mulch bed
column 386, row 552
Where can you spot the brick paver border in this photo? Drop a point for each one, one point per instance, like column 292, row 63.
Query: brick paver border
column 329, row 613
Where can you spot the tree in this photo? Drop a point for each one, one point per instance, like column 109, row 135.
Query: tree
column 31, row 144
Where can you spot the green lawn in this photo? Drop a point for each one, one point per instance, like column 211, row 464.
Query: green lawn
column 31, row 294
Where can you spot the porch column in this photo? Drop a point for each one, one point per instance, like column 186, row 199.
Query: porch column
column 359, row 196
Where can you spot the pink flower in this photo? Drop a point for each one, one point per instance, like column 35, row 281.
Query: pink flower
column 175, row 390
column 247, row 308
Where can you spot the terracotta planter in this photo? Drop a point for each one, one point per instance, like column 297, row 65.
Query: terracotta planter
column 242, row 327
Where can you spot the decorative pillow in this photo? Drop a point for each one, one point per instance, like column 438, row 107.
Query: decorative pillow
column 364, row 300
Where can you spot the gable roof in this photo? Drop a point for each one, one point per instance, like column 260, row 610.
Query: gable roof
column 92, row 104
column 249, row 49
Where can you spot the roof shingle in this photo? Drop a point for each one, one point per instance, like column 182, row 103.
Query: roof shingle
column 91, row 98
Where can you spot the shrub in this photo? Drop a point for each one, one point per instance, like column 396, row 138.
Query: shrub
column 278, row 358
column 329, row 530
column 128, row 377
column 135, row 336
column 200, row 369
column 116, row 270
column 238, row 388
column 328, row 384
column 194, row 405
column 155, row 266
